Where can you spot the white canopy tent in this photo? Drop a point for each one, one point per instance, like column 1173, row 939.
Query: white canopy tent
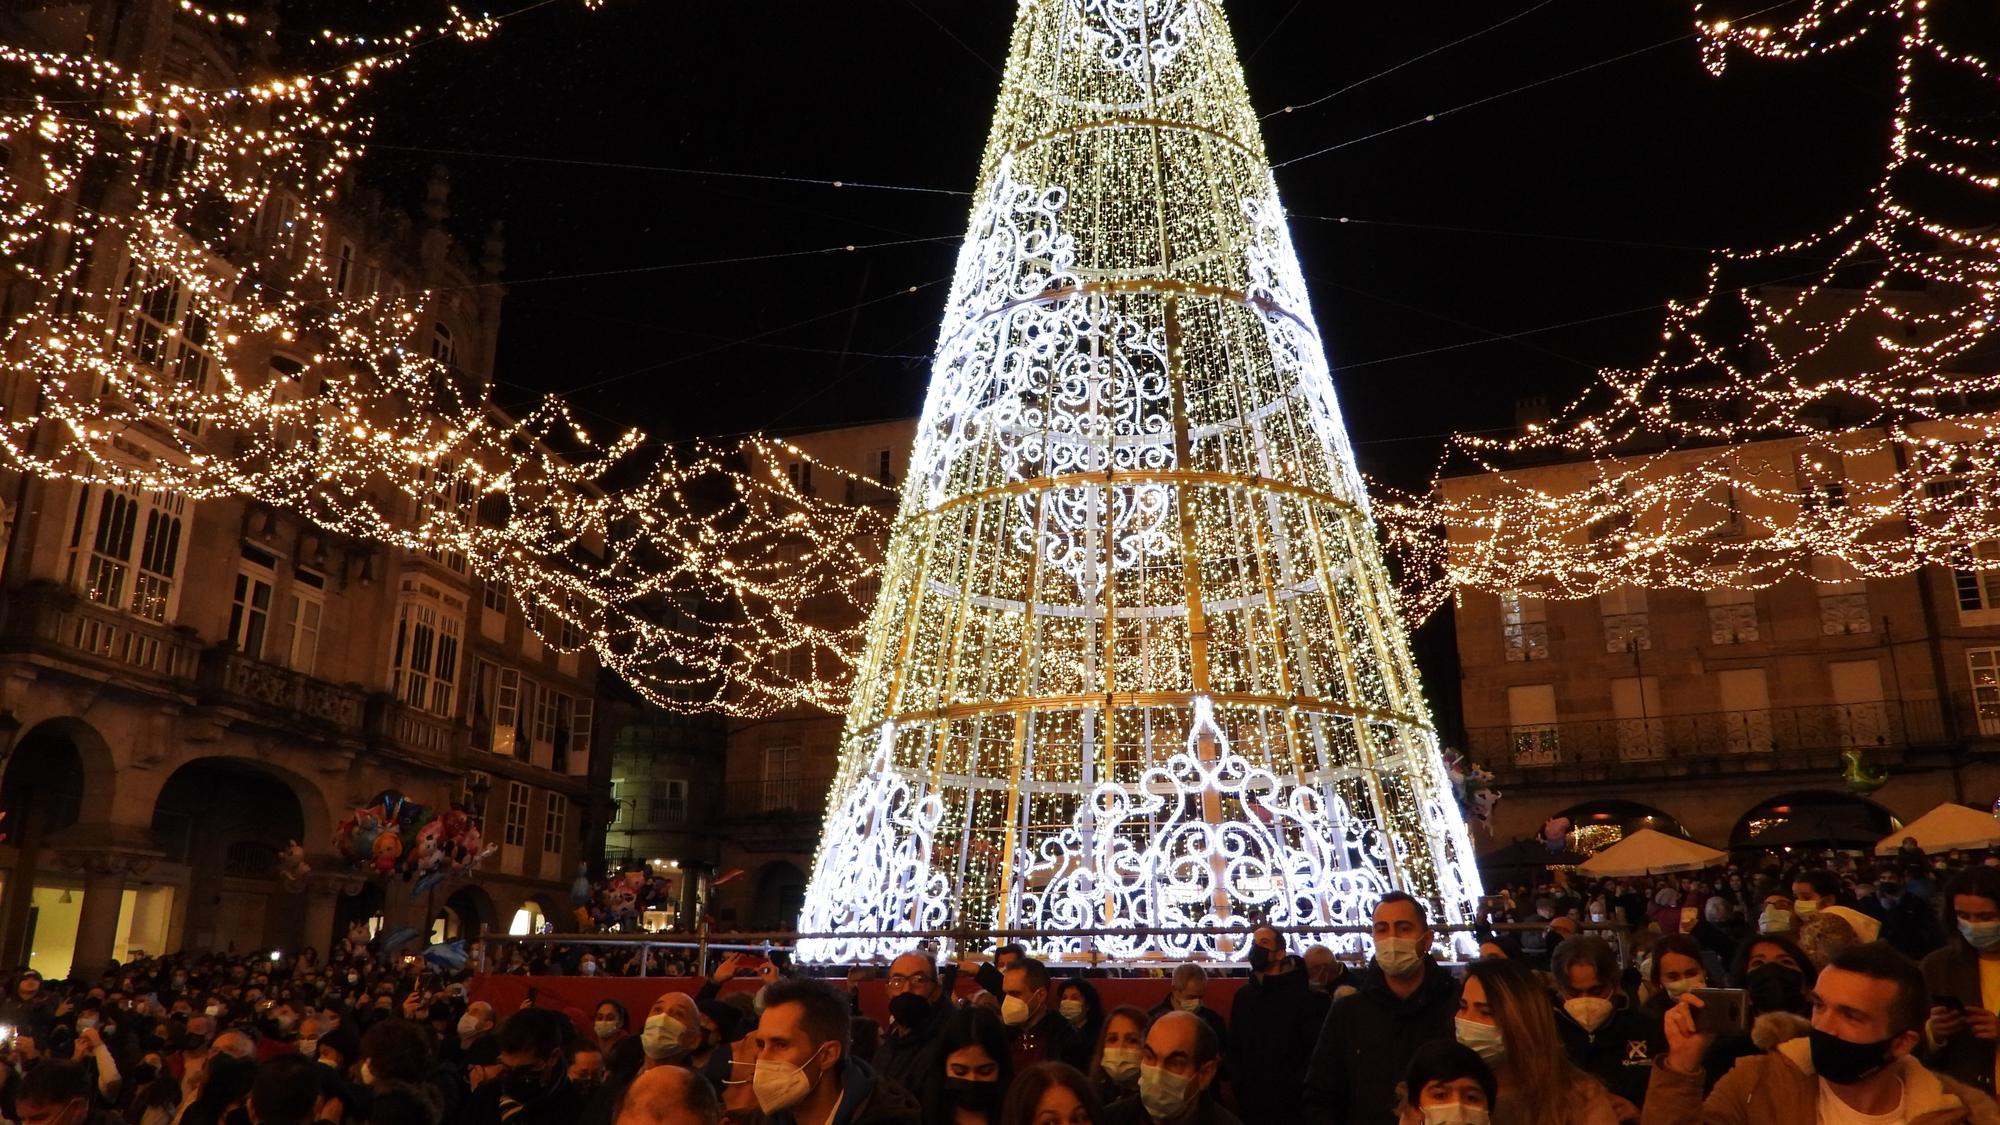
column 1647, row 852
column 1943, row 828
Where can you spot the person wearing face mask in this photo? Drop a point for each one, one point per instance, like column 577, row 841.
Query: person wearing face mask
column 533, row 1087
column 804, row 1074
column 672, row 1031
column 1189, row 994
column 1325, row 974
column 1504, row 1015
column 57, row 1093
column 1907, row 921
column 1447, row 1084
column 1367, row 1040
column 1960, row 1036
column 970, row 1071
column 609, row 1023
column 1177, row 1074
column 1114, row 1065
column 1274, row 1021
column 398, row 1079
column 1078, row 1004
column 918, row 1007
column 1603, row 1035
column 474, row 1049
column 1856, row 1065
column 1676, row 965
column 1037, row 1033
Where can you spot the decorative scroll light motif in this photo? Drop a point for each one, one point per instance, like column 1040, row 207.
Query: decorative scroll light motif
column 1135, row 664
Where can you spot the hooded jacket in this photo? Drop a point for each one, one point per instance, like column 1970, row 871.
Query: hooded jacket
column 1781, row 1088
column 1366, row 1043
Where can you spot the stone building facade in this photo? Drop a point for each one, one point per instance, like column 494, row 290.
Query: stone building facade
column 188, row 687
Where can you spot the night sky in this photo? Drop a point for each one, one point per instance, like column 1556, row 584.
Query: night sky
column 1581, row 164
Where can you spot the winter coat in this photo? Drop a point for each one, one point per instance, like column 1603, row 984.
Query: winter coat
column 1272, row 1027
column 865, row 1099
column 1781, row 1088
column 1954, row 971
column 1618, row 1054
column 1366, row 1042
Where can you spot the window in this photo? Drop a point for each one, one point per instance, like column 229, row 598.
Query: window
column 163, row 327
column 172, row 154
column 781, row 776
column 552, row 823
column 468, row 796
column 1948, row 478
column 304, row 606
column 493, row 595
column 445, row 509
column 1626, row 626
column 801, row 473
column 250, row 608
column 429, row 626
column 278, row 225
column 1979, row 588
column 1635, row 706
column 1860, row 717
column 1984, row 663
column 507, row 711
column 545, row 710
column 1531, row 723
column 577, row 758
column 1524, row 628
column 1732, row 616
column 125, row 548
column 442, row 348
column 515, row 828
column 668, row 803
column 884, row 470
column 1746, row 710
column 1822, row 479
column 1843, row 598
column 343, row 268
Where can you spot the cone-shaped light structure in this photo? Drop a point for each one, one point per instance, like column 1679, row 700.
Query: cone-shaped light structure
column 1135, row 663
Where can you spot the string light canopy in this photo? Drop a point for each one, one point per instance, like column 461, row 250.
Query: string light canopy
column 191, row 325
column 1136, row 665
column 1824, row 407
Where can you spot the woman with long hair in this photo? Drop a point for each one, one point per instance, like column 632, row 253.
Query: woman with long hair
column 969, row 1072
column 1676, row 968
column 1114, row 1060
column 1505, row 1016
column 1051, row 1093
column 1079, row 1006
column 1964, row 978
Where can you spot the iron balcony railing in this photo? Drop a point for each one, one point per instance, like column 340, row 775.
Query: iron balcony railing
column 1719, row 734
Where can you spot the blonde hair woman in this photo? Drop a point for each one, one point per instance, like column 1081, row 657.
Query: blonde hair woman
column 1505, row 1015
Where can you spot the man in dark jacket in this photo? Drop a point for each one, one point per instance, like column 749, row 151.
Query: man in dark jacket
column 918, row 1005
column 1908, row 923
column 1367, row 1040
column 1035, row 1032
column 1604, row 1037
column 1182, row 1050
column 1272, row 1025
column 806, row 1032
column 534, row 1086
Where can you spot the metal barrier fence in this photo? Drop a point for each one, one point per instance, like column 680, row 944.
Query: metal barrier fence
column 702, row 942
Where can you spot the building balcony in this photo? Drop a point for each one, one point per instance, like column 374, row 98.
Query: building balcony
column 778, row 815
column 229, row 677
column 53, row 620
column 1720, row 742
column 398, row 727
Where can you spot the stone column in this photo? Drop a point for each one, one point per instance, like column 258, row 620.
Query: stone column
column 323, row 888
column 106, row 855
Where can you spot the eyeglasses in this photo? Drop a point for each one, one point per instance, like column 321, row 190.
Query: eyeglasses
column 900, row 982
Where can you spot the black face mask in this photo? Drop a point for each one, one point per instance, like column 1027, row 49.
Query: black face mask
column 967, row 1093
column 909, row 1011
column 523, row 1087
column 1775, row 988
column 1260, row 958
column 1845, row 1063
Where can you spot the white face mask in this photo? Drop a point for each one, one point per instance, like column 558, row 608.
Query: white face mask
column 1072, row 1010
column 608, row 1028
column 1774, row 920
column 1398, row 956
column 1014, row 1011
column 1590, row 1012
column 1191, row 1004
column 662, row 1037
column 1806, row 907
column 1685, row 985
column 1483, row 1038
column 1455, row 1113
column 1163, row 1093
column 1121, row 1064
column 779, row 1085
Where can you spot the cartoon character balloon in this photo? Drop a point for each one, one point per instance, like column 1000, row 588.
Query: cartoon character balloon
column 394, row 837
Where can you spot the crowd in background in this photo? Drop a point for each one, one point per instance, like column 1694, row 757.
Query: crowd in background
column 1868, row 993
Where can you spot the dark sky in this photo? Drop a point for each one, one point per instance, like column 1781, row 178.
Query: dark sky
column 1590, row 198
column 1584, row 200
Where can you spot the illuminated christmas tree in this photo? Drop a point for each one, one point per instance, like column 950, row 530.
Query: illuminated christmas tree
column 1136, row 662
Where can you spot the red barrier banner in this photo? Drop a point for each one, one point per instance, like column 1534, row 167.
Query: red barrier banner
column 578, row 997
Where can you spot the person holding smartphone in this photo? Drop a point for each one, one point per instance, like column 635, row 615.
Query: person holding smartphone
column 1964, row 980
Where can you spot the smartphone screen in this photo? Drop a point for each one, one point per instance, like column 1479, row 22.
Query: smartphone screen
column 1722, row 1011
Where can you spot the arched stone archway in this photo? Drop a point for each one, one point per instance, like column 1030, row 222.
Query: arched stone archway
column 225, row 822
column 1625, row 817
column 466, row 913
column 1812, row 817
column 59, row 785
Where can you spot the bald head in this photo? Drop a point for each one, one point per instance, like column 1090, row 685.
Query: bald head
column 669, row 1095
column 1181, row 1044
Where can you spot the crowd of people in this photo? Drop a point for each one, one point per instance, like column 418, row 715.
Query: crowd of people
column 1831, row 990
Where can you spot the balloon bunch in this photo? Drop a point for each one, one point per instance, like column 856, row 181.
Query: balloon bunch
column 394, row 836
column 1555, row 833
column 1472, row 785
column 620, row 901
